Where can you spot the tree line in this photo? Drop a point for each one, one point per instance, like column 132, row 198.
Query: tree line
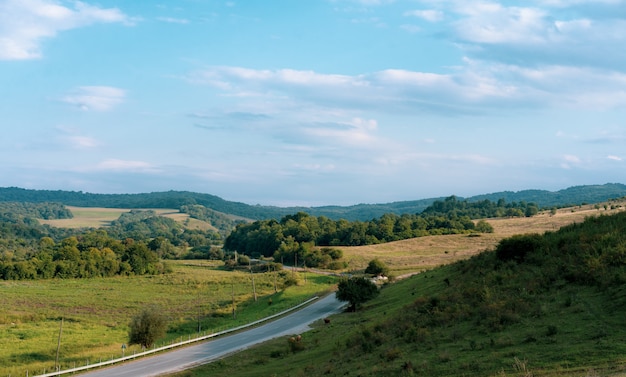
column 29, row 249
column 176, row 199
column 93, row 254
column 310, row 236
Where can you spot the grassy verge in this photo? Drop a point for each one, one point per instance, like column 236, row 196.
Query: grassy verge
column 96, row 312
column 570, row 335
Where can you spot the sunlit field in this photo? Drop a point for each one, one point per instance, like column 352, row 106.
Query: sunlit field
column 96, row 312
column 423, row 253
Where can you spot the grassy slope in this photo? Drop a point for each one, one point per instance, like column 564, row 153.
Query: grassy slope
column 96, row 312
column 419, row 254
column 491, row 320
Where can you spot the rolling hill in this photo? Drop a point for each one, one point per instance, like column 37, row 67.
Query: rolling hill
column 175, row 199
column 547, row 304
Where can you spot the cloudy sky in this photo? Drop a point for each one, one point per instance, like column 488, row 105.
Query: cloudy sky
column 312, row 102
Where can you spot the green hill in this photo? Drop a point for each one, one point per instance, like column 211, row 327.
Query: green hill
column 175, row 199
column 549, row 305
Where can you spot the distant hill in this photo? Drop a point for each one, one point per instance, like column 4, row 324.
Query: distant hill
column 175, row 199
column 572, row 196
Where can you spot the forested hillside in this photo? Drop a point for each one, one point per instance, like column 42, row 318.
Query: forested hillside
column 176, row 199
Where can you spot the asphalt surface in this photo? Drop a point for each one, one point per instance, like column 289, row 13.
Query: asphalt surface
column 202, row 353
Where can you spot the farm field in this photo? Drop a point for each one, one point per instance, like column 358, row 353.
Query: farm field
column 94, row 217
column 96, row 312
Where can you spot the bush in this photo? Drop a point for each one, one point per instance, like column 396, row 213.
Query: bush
column 483, row 227
column 356, row 291
column 377, row 267
column 517, row 247
column 147, row 327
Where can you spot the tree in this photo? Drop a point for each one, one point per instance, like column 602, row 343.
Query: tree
column 356, row 291
column 147, row 327
column 483, row 227
column 377, row 267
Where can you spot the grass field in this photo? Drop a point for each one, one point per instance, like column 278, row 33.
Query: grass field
column 574, row 331
column 96, row 312
column 423, row 253
column 94, row 217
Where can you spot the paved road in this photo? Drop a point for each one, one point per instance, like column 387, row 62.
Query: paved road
column 203, row 353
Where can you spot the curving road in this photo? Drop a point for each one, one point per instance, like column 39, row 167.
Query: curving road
column 203, row 353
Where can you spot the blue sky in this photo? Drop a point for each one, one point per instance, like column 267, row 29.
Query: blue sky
column 312, row 102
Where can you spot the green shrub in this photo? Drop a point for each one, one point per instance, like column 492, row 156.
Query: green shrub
column 517, row 247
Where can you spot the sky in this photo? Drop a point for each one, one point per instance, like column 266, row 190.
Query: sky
column 317, row 102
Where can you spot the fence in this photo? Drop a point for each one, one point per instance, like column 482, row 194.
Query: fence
column 171, row 346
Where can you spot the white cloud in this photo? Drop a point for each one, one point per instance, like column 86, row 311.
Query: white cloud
column 355, row 133
column 614, row 158
column 430, row 15
column 411, row 28
column 83, row 142
column 538, row 33
column 571, row 158
column 25, row 23
column 96, row 98
column 173, row 20
column 570, row 3
column 126, row 165
column 474, row 87
column 368, row 2
column 494, row 23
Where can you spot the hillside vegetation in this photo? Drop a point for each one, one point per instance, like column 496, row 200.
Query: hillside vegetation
column 549, row 304
column 176, row 199
column 196, row 297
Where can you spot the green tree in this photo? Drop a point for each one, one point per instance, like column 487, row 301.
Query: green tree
column 377, row 267
column 483, row 227
column 147, row 327
column 356, row 291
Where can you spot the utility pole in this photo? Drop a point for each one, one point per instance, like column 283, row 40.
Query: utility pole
column 56, row 362
column 199, row 311
column 234, row 311
column 295, row 265
column 253, row 287
column 275, row 285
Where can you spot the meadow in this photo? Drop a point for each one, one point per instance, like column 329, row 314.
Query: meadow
column 96, row 312
column 424, row 253
column 477, row 317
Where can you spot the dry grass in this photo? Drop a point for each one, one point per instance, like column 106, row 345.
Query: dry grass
column 423, row 253
column 95, row 217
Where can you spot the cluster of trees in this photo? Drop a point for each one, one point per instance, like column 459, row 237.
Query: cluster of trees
column 453, row 207
column 20, row 235
column 47, row 211
column 93, row 254
column 223, row 223
column 302, row 234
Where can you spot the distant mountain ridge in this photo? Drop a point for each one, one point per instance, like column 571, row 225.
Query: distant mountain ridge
column 575, row 195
